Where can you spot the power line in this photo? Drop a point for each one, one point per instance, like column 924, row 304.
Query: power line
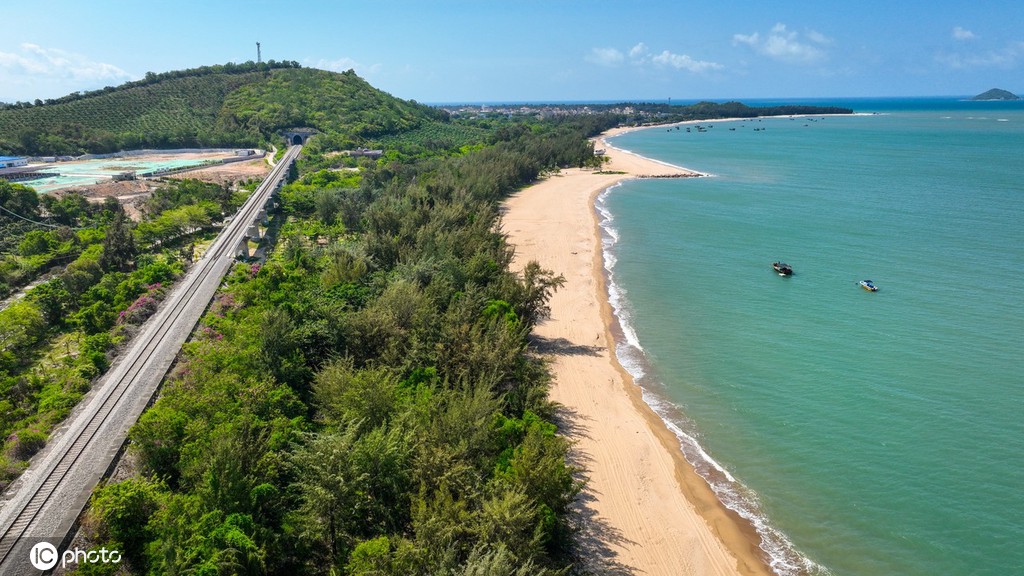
column 27, row 219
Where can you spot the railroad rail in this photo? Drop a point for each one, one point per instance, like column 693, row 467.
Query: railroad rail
column 45, row 502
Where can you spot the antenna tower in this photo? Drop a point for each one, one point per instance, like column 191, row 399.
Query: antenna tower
column 259, row 57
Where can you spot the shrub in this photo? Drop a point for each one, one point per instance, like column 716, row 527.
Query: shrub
column 24, row 444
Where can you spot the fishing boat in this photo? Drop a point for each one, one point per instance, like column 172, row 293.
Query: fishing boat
column 782, row 268
column 868, row 285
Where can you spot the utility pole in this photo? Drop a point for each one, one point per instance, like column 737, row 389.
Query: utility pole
column 259, row 57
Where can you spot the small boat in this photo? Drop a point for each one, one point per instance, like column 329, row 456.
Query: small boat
column 782, row 268
column 868, row 285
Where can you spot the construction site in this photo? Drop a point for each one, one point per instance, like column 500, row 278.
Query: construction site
column 131, row 177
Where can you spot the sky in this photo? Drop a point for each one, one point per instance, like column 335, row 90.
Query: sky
column 556, row 50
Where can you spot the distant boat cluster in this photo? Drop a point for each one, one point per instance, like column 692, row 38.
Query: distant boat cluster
column 704, row 128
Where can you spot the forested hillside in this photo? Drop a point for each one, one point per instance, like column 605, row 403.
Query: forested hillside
column 102, row 281
column 229, row 105
column 365, row 402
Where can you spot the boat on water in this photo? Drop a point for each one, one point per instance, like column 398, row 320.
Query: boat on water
column 782, row 268
column 868, row 285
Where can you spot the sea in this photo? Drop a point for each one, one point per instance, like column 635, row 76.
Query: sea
column 862, row 433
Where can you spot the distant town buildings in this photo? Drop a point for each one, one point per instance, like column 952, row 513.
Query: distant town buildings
column 15, row 168
column 13, row 161
column 539, row 111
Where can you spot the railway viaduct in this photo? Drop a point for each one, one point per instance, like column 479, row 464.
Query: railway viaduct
column 42, row 507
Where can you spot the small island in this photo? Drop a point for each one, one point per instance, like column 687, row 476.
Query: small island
column 996, row 94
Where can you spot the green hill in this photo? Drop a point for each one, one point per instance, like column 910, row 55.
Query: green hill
column 230, row 105
column 996, row 94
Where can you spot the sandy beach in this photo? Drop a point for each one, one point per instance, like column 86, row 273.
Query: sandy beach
column 644, row 510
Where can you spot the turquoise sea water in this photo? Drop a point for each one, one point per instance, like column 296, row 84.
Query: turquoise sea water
column 863, row 433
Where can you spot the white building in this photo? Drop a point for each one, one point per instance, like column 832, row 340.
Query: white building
column 12, row 162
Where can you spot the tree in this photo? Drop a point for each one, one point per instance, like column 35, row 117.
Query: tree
column 35, row 242
column 124, row 509
column 19, row 199
column 328, row 203
column 66, row 209
column 52, row 299
column 119, row 249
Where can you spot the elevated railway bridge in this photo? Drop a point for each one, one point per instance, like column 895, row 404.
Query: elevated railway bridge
column 42, row 507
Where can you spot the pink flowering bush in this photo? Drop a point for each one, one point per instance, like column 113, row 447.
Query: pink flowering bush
column 209, row 333
column 223, row 304
column 143, row 307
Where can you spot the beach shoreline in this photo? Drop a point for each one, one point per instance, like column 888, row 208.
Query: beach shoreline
column 645, row 508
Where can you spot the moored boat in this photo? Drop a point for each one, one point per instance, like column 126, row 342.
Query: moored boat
column 868, row 285
column 782, row 268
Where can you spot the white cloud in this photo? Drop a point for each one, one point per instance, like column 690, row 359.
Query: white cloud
column 818, row 38
column 638, row 52
column 684, row 62
column 963, row 34
column 640, row 55
column 752, row 39
column 38, row 62
column 786, row 45
column 605, row 56
column 1008, row 57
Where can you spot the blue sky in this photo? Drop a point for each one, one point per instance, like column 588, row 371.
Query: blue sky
column 461, row 51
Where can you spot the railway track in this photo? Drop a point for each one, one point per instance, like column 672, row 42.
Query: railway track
column 43, row 505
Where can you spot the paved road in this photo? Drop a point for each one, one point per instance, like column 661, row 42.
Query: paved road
column 44, row 503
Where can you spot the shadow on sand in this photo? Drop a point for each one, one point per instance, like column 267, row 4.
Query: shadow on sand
column 594, row 535
column 563, row 347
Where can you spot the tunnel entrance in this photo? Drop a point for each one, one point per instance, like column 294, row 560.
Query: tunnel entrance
column 297, row 136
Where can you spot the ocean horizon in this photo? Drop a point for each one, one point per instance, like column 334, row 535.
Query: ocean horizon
column 855, row 102
column 860, row 433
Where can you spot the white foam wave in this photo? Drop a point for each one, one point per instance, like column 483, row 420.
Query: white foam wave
column 616, row 294
column 782, row 556
column 631, row 337
column 609, row 261
column 631, row 360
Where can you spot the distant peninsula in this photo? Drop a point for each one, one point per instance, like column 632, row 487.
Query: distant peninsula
column 996, row 94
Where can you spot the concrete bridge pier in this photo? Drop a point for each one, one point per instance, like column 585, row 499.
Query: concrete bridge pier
column 242, row 252
column 254, row 232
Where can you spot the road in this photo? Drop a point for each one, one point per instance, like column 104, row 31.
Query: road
column 45, row 502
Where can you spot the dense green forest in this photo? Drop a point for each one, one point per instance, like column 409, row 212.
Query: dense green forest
column 105, row 277
column 230, row 105
column 365, row 401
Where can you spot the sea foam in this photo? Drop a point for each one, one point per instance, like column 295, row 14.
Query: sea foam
column 782, row 556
